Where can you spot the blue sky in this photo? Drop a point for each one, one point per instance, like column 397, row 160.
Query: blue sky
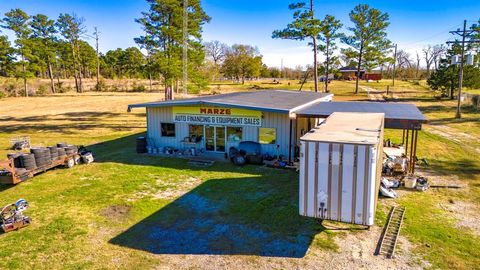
column 414, row 24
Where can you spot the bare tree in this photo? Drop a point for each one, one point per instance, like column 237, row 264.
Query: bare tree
column 428, row 57
column 216, row 51
column 432, row 55
column 403, row 60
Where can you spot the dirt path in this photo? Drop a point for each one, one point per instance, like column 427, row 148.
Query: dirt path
column 373, row 94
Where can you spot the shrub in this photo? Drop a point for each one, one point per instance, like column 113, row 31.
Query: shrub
column 476, row 101
column 42, row 90
column 10, row 89
column 101, row 86
column 2, row 94
column 139, row 88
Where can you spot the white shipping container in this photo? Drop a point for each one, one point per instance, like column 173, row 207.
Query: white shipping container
column 340, row 167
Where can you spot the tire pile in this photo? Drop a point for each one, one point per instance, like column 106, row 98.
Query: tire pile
column 42, row 156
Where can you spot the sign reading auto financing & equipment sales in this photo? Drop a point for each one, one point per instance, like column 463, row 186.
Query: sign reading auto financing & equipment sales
column 216, row 116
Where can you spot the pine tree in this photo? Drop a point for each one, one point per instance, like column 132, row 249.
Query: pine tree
column 163, row 38
column 44, row 30
column 369, row 36
column 72, row 28
column 304, row 26
column 329, row 33
column 17, row 21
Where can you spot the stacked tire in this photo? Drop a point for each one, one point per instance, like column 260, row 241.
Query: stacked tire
column 71, row 149
column 61, row 152
column 28, row 161
column 141, row 145
column 16, row 159
column 53, row 153
column 42, row 156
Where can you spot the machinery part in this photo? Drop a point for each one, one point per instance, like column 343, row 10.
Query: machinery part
column 8, row 213
column 21, row 205
column 70, row 163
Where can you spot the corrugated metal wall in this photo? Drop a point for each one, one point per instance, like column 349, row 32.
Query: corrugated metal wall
column 158, row 115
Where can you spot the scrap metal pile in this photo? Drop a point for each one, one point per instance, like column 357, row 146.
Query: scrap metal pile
column 395, row 172
column 12, row 217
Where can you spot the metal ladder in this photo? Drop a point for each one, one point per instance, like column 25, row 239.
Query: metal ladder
column 392, row 230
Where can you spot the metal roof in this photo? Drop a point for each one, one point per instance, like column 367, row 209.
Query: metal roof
column 350, row 128
column 397, row 115
column 283, row 101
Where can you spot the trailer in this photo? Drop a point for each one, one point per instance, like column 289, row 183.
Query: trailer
column 12, row 175
column 340, row 168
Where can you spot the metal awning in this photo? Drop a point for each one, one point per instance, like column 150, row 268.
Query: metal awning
column 397, row 115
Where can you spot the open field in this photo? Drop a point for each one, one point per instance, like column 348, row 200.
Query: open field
column 132, row 211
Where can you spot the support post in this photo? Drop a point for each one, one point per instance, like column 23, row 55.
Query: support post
column 415, row 151
column 290, row 143
column 406, row 143
column 403, row 137
column 411, row 163
column 458, row 114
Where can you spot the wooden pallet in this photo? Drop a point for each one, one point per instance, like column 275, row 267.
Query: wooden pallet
column 389, row 238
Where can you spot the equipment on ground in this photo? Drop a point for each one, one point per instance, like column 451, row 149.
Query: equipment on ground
column 12, row 218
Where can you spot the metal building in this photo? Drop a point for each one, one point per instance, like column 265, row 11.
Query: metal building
column 218, row 122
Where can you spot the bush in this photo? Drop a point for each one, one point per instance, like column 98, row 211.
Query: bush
column 139, row 88
column 63, row 89
column 101, row 86
column 2, row 94
column 42, row 90
column 10, row 89
column 476, row 101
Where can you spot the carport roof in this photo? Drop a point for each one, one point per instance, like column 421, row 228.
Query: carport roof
column 397, row 115
column 283, row 101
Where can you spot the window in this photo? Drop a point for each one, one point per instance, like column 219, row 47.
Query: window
column 195, row 133
column 168, row 129
column 234, row 134
column 267, row 135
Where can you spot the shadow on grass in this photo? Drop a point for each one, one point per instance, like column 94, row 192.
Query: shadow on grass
column 243, row 216
column 255, row 213
column 463, row 167
column 75, row 120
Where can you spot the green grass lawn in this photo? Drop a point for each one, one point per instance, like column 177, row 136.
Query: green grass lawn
column 133, row 211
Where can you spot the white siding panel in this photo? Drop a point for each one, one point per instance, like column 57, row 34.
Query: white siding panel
column 371, row 187
column 360, row 184
column 323, row 163
column 303, row 163
column 311, row 180
column 335, row 178
column 347, row 183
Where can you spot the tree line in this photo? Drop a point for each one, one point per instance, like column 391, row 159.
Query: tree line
column 57, row 49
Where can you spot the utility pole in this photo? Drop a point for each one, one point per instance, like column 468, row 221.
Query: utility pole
column 96, row 34
column 464, row 34
column 394, row 65
column 185, row 47
column 315, row 64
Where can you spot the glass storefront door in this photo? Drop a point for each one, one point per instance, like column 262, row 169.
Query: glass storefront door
column 215, row 138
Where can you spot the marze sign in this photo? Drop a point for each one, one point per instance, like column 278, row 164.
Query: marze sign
column 215, row 111
column 217, row 116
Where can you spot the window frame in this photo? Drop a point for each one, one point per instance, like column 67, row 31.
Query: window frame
column 234, row 127
column 174, row 130
column 276, row 137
